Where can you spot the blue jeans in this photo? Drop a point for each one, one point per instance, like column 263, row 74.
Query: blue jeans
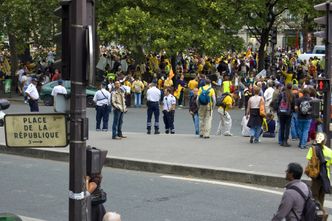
column 256, row 132
column 303, row 126
column 196, row 123
column 138, row 98
column 294, row 126
column 117, row 123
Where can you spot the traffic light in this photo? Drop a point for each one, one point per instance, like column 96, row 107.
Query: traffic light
column 323, row 85
column 64, row 37
column 95, row 159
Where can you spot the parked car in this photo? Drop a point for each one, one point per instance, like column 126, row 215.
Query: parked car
column 46, row 90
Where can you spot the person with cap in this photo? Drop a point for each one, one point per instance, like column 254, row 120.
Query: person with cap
column 119, row 108
column 33, row 95
column 321, row 184
column 153, row 96
column 102, row 100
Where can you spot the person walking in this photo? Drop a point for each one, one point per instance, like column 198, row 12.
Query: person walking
column 292, row 202
column 153, row 96
column 225, row 123
column 303, row 117
column 119, row 108
column 102, row 100
column 33, row 95
column 268, row 95
column 321, row 185
column 206, row 100
column 169, row 103
column 255, row 120
column 137, row 88
column 193, row 110
column 286, row 101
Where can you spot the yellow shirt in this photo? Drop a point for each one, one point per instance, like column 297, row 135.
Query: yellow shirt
column 168, row 83
column 193, row 84
column 211, row 93
column 327, row 152
column 228, row 100
column 289, row 77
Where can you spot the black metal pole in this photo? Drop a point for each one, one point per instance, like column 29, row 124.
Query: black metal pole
column 328, row 69
column 78, row 136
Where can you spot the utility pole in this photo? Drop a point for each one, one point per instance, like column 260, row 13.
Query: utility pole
column 327, row 34
column 78, row 120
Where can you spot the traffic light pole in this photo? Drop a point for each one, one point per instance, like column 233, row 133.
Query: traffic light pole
column 328, row 68
column 78, row 122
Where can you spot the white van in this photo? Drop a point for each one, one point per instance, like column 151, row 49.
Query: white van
column 319, row 49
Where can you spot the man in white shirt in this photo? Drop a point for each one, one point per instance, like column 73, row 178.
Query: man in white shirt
column 33, row 95
column 153, row 95
column 59, row 89
column 169, row 102
column 102, row 100
column 268, row 94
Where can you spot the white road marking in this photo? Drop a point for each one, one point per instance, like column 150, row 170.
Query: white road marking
column 24, row 218
column 327, row 203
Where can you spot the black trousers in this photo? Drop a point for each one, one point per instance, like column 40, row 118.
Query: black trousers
column 169, row 120
column 285, row 123
column 33, row 104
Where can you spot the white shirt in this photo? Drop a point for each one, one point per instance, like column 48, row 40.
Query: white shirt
column 168, row 102
column 102, row 97
column 32, row 91
column 268, row 94
column 153, row 94
column 59, row 89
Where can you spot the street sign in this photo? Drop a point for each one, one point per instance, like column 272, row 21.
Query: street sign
column 36, row 130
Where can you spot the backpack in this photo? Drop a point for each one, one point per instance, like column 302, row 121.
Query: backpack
column 313, row 167
column 305, row 107
column 204, row 97
column 220, row 100
column 312, row 210
column 284, row 108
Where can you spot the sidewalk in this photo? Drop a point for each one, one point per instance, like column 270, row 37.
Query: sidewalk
column 222, row 158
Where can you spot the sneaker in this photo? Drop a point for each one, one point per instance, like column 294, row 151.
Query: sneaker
column 228, row 134
column 172, row 132
column 149, row 132
column 207, row 137
column 156, row 132
column 201, row 136
column 251, row 139
column 166, row 131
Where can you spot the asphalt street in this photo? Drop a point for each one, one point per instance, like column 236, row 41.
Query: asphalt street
column 38, row 188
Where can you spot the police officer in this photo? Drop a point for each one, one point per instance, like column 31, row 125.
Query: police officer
column 102, row 99
column 153, row 95
column 169, row 102
column 33, row 95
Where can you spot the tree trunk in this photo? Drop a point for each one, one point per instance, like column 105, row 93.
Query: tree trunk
column 13, row 58
column 305, row 30
column 261, row 51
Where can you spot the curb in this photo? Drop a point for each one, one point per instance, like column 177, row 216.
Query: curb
column 222, row 174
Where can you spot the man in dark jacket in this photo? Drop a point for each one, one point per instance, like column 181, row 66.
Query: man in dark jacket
column 292, row 203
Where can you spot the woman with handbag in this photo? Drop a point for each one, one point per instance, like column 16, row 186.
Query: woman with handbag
column 98, row 197
column 255, row 115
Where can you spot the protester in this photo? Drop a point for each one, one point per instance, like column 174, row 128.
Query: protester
column 137, row 88
column 193, row 110
column 205, row 109
column 271, row 126
column 102, row 100
column 225, row 123
column 119, row 108
column 292, row 203
column 255, row 120
column 286, row 101
column 321, row 185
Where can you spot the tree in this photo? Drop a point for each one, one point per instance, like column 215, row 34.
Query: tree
column 260, row 16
